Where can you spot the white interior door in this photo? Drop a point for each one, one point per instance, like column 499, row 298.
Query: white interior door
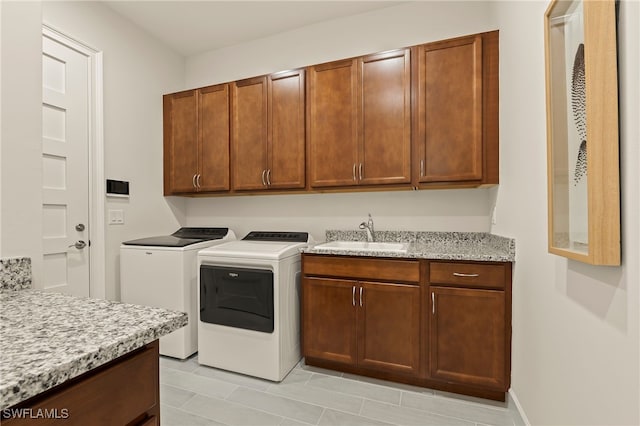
column 65, row 168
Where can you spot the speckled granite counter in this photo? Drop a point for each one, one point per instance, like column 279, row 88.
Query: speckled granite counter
column 49, row 338
column 478, row 246
column 15, row 273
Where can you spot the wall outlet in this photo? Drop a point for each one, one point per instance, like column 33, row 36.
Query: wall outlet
column 494, row 220
column 116, row 217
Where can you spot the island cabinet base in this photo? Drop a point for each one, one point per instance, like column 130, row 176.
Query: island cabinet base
column 124, row 391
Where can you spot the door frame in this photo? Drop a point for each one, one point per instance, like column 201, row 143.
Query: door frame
column 97, row 253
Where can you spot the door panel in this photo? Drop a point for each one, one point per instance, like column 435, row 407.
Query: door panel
column 181, row 132
column 329, row 320
column 333, row 124
column 65, row 169
column 385, row 117
column 287, row 130
column 213, row 124
column 467, row 337
column 249, row 133
column 389, row 327
column 451, row 110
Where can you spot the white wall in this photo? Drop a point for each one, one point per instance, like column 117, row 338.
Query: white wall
column 407, row 24
column 575, row 326
column 398, row 26
column 138, row 69
column 450, row 210
column 21, row 172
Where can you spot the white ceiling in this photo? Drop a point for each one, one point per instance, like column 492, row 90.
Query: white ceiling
column 193, row 27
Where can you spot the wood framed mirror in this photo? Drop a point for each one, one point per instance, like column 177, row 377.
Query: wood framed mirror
column 582, row 130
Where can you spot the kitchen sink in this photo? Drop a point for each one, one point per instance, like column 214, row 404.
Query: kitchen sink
column 363, row 246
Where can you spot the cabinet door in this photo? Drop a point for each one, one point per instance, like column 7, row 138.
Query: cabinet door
column 450, row 110
column 467, row 337
column 213, row 125
column 286, row 145
column 385, row 118
column 389, row 327
column 333, row 145
column 180, row 142
column 249, row 133
column 329, row 319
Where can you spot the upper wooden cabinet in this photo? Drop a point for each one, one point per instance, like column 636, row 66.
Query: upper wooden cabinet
column 332, row 127
column 268, row 132
column 457, row 111
column 360, row 121
column 420, row 117
column 196, row 140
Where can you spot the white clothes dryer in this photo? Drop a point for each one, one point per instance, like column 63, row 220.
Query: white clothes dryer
column 249, row 303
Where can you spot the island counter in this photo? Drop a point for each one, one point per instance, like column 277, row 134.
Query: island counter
column 51, row 343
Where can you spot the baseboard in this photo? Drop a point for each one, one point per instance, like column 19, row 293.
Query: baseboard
column 519, row 416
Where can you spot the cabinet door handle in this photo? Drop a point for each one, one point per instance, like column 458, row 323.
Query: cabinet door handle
column 353, row 295
column 459, row 274
column 354, row 171
column 433, row 303
column 268, row 177
column 193, row 181
column 421, row 168
column 198, row 180
column 360, row 171
column 361, row 291
column 263, row 182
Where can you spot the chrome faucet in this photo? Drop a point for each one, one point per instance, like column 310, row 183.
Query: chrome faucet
column 369, row 227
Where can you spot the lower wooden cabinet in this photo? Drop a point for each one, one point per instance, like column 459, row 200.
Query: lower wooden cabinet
column 439, row 324
column 389, row 327
column 122, row 392
column 467, row 336
column 365, row 324
column 329, row 320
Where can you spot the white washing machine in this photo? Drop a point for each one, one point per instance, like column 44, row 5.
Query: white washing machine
column 249, row 302
column 162, row 272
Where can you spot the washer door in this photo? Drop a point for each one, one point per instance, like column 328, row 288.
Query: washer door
column 237, row 297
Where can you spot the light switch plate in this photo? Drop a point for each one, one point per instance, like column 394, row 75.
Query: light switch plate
column 116, row 217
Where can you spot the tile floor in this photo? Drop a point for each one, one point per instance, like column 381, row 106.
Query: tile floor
column 192, row 394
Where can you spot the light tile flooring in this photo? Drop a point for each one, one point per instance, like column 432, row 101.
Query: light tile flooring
column 192, row 394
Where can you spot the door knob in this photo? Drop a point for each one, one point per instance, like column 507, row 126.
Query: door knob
column 80, row 227
column 79, row 245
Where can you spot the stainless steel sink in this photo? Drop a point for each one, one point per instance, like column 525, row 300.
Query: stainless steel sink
column 363, row 246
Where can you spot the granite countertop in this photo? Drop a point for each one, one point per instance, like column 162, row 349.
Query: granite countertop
column 473, row 246
column 49, row 338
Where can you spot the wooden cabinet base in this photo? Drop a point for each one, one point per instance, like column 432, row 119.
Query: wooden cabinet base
column 410, row 380
column 122, row 392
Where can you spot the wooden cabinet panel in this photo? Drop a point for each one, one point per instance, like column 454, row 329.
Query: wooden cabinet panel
column 385, row 118
column 249, row 133
column 463, row 274
column 425, row 116
column 329, row 319
column 181, row 142
column 213, row 122
column 452, row 110
column 467, row 337
column 196, row 140
column 363, row 268
column 123, row 392
column 286, row 146
column 389, row 327
column 333, row 144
